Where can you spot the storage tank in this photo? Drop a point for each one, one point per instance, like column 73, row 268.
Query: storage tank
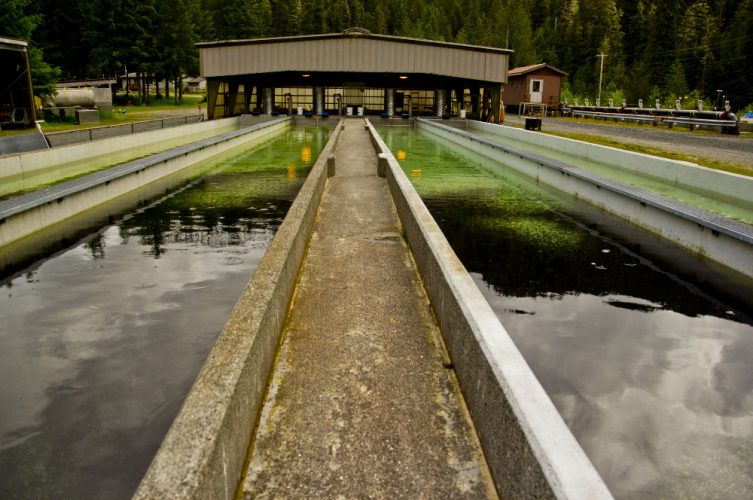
column 74, row 97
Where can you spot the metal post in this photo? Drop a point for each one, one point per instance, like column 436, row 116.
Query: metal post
column 268, row 100
column 389, row 97
column 601, row 71
column 318, row 100
column 439, row 102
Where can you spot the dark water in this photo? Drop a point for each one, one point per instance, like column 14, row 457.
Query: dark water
column 653, row 372
column 100, row 343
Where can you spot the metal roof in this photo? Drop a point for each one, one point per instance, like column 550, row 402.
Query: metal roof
column 355, row 55
column 527, row 69
column 354, row 33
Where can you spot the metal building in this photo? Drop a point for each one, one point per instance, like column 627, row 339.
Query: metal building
column 16, row 94
column 352, row 72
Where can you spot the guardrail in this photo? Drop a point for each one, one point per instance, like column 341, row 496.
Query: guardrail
column 57, row 139
column 728, row 122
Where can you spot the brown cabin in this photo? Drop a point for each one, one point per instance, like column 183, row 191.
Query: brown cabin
column 536, row 84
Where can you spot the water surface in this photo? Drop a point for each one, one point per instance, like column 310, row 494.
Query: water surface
column 651, row 371
column 100, row 343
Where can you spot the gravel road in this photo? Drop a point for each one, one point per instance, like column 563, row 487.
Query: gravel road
column 730, row 148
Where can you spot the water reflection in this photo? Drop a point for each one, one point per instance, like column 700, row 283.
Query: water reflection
column 100, row 343
column 651, row 372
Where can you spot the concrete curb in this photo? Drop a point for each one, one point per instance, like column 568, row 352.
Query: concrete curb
column 206, row 447
column 27, row 214
column 715, row 237
column 529, row 448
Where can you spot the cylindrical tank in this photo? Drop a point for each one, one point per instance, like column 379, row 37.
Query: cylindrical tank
column 319, row 100
column 268, row 100
column 74, row 97
column 389, row 105
column 440, row 95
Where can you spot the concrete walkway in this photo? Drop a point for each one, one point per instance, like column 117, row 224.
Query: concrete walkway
column 361, row 404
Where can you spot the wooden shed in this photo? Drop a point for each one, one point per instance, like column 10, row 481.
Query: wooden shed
column 535, row 84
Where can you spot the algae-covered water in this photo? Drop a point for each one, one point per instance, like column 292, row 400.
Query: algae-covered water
column 100, row 343
column 37, row 179
column 706, row 201
column 650, row 368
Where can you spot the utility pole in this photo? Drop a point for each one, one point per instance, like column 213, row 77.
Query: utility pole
column 601, row 72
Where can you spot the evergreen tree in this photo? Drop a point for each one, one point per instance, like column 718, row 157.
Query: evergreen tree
column 677, row 86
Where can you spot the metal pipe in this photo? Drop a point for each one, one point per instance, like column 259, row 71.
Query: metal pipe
column 690, row 113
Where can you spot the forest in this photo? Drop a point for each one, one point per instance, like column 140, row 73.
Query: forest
column 653, row 49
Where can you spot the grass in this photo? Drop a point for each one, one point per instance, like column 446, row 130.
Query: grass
column 733, row 167
column 156, row 108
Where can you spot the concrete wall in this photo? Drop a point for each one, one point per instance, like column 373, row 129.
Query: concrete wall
column 18, row 164
column 689, row 175
column 205, row 449
column 529, row 449
column 728, row 242
column 24, row 215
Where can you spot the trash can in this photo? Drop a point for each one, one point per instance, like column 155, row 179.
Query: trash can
column 533, row 124
column 349, row 111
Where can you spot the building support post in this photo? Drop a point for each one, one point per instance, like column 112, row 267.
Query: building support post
column 232, row 97
column 476, row 102
column 318, row 101
column 389, row 102
column 495, row 95
column 269, row 103
column 440, row 101
column 213, row 87
column 248, row 89
column 460, row 96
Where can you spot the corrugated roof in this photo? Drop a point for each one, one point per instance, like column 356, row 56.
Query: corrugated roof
column 533, row 67
column 354, row 33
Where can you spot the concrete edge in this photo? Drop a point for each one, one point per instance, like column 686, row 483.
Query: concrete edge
column 28, row 201
column 24, row 163
column 686, row 174
column 529, row 448
column 204, row 452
